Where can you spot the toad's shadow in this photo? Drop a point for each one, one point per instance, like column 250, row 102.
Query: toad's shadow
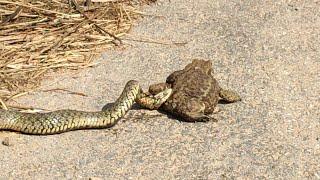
column 135, row 106
column 221, row 101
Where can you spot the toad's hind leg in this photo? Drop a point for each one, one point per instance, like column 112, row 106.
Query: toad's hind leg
column 229, row 96
column 196, row 117
column 192, row 111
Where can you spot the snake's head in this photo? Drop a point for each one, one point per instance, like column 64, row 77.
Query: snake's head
column 150, row 101
column 163, row 96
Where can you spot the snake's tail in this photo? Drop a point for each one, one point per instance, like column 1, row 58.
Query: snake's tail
column 67, row 120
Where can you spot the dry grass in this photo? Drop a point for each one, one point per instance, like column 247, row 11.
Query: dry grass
column 41, row 35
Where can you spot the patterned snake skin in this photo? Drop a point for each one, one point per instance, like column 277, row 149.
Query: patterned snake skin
column 68, row 120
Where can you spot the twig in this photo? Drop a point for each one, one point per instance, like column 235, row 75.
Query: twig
column 12, row 16
column 57, row 43
column 24, row 23
column 97, row 26
column 156, row 41
column 3, row 105
column 32, row 7
column 70, row 92
column 26, row 107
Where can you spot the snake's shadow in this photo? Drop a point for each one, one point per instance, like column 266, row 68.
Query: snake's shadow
column 137, row 107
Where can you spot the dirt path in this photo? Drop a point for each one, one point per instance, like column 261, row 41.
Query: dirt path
column 268, row 52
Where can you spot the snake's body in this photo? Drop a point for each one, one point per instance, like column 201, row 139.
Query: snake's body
column 68, row 120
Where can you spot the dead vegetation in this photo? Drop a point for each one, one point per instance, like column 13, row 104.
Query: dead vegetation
column 37, row 36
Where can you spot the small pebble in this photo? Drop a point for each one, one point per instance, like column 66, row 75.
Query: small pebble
column 6, row 141
column 95, row 178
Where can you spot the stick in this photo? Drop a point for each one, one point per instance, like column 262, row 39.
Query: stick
column 12, row 16
column 32, row 7
column 97, row 26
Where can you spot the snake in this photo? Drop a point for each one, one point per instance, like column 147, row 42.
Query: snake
column 61, row 121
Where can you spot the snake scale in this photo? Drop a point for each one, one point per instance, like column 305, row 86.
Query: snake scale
column 67, row 120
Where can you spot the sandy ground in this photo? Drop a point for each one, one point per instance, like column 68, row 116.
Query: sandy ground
column 268, row 52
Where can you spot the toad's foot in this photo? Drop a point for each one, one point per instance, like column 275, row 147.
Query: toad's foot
column 229, row 96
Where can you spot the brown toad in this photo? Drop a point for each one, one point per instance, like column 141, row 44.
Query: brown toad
column 195, row 92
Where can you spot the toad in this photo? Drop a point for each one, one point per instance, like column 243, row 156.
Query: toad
column 195, row 93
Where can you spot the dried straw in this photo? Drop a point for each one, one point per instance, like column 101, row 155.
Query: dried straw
column 41, row 35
